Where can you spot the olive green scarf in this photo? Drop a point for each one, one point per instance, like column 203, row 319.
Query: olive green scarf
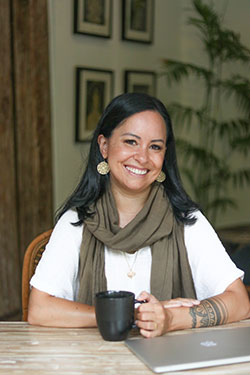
column 154, row 226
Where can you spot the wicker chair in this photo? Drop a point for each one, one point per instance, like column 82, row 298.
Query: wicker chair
column 32, row 257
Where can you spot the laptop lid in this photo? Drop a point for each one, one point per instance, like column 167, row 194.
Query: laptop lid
column 193, row 349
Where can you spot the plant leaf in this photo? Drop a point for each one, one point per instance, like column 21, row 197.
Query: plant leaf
column 240, row 177
column 221, row 204
column 176, row 70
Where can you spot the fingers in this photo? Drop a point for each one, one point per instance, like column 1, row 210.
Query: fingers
column 150, row 328
column 151, row 319
column 147, row 297
column 179, row 302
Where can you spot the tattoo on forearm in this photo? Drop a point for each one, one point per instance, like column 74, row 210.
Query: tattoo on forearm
column 210, row 312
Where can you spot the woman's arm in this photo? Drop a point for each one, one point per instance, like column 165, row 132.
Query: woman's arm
column 46, row 310
column 156, row 318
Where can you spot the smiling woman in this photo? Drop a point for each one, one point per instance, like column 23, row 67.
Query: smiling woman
column 130, row 225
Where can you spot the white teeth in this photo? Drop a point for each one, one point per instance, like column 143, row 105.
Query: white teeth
column 137, row 171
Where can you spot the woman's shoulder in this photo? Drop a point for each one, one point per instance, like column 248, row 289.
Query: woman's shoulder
column 70, row 216
column 201, row 220
column 201, row 229
column 65, row 230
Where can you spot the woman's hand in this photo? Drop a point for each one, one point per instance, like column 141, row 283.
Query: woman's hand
column 178, row 302
column 154, row 317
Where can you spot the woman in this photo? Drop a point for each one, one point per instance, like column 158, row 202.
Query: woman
column 130, row 225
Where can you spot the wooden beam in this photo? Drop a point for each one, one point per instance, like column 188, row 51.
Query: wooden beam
column 33, row 130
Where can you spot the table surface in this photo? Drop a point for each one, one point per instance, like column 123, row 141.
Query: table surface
column 26, row 349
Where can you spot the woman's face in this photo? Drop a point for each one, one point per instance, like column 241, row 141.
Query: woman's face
column 135, row 152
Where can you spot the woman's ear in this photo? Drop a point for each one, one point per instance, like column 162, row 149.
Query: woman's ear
column 103, row 145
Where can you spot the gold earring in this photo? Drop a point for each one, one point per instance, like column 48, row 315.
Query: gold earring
column 161, row 177
column 103, row 168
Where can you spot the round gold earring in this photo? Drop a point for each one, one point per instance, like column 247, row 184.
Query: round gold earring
column 103, row 168
column 161, row 177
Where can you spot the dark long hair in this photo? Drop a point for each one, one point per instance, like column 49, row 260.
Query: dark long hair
column 92, row 185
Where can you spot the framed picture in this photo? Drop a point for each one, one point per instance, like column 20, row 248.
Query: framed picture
column 137, row 20
column 94, row 90
column 93, row 17
column 140, row 81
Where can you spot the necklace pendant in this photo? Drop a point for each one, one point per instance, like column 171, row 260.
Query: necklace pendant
column 131, row 274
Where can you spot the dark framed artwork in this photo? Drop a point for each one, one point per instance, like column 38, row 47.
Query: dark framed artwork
column 94, row 90
column 140, row 81
column 138, row 20
column 93, row 17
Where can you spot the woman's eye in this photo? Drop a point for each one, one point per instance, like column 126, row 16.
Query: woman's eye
column 156, row 147
column 131, row 142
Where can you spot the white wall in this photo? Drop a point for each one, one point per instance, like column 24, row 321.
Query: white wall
column 172, row 39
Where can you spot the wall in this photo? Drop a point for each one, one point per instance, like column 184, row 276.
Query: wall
column 172, row 39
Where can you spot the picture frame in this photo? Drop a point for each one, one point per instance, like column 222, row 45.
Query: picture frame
column 94, row 90
column 138, row 20
column 142, row 81
column 93, row 17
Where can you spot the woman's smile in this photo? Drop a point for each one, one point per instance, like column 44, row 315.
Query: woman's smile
column 136, row 171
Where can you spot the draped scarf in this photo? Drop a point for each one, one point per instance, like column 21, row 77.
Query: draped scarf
column 155, row 226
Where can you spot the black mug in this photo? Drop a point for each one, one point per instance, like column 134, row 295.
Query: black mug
column 115, row 314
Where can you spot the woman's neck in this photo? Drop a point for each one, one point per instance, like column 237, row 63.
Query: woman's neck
column 129, row 205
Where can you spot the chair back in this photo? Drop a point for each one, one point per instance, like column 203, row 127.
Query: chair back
column 32, row 257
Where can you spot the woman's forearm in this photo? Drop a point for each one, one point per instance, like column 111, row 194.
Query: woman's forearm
column 230, row 306
column 156, row 318
column 46, row 310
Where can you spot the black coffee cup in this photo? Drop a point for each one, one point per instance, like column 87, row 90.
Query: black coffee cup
column 115, row 314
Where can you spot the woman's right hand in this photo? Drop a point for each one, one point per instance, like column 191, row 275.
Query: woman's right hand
column 154, row 318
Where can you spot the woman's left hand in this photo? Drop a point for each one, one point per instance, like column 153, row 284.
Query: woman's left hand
column 151, row 317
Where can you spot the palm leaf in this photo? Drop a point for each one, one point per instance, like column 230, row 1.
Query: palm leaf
column 221, row 204
column 231, row 48
column 197, row 154
column 231, row 128
column 220, row 43
column 241, row 144
column 176, row 70
column 240, row 177
column 240, row 88
column 184, row 115
column 209, row 26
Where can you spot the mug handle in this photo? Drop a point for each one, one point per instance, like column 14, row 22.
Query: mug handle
column 136, row 301
column 143, row 301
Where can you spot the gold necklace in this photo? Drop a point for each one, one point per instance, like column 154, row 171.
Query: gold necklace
column 130, row 273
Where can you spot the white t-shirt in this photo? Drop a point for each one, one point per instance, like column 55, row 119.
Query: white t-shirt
column 57, row 271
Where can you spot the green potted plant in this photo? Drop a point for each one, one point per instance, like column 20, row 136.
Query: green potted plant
column 208, row 166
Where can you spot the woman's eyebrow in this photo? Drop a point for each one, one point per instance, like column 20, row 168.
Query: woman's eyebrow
column 138, row 137
column 131, row 134
column 158, row 140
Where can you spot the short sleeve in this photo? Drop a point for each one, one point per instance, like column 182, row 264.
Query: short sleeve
column 57, row 271
column 212, row 269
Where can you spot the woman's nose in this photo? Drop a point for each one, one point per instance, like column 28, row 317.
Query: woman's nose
column 142, row 155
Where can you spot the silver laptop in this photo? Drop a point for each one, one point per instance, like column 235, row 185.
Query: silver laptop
column 193, row 349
